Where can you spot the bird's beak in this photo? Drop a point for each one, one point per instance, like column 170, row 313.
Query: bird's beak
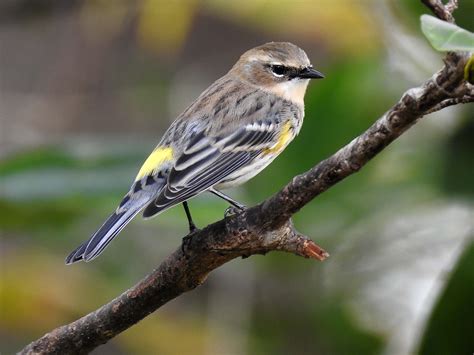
column 310, row 73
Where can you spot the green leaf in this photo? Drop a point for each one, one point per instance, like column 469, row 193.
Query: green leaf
column 445, row 36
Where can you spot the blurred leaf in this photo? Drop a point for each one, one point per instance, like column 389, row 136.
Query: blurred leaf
column 445, row 36
column 179, row 333
column 457, row 169
column 36, row 159
column 63, row 157
column 306, row 20
column 325, row 327
column 60, row 171
column 34, row 216
column 36, row 280
column 341, row 333
column 449, row 329
column 163, row 26
column 58, row 183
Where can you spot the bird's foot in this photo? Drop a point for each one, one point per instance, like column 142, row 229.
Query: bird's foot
column 187, row 238
column 192, row 228
column 231, row 210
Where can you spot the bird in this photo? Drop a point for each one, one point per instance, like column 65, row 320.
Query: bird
column 230, row 133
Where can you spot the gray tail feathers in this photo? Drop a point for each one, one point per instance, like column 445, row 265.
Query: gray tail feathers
column 109, row 230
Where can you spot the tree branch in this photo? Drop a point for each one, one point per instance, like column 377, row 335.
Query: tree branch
column 260, row 229
column 451, row 102
column 443, row 12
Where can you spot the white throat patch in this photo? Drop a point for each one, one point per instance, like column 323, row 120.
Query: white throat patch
column 292, row 90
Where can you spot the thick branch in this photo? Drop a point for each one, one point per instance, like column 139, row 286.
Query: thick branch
column 237, row 236
column 260, row 229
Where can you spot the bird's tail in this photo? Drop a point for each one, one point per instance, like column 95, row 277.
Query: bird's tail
column 109, row 230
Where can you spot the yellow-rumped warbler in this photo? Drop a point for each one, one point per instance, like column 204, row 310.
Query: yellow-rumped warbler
column 228, row 135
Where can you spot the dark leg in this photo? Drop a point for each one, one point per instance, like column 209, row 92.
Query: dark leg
column 192, row 226
column 228, row 199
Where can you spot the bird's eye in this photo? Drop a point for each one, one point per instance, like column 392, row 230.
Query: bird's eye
column 278, row 70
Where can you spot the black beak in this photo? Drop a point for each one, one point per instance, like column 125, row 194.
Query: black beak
column 309, row 73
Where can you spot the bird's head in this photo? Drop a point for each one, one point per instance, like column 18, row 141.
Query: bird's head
column 279, row 67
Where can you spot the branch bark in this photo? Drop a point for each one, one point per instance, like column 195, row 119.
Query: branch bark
column 260, row 229
column 443, row 12
column 451, row 102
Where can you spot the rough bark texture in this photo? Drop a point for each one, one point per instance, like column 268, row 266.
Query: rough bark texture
column 265, row 227
column 444, row 12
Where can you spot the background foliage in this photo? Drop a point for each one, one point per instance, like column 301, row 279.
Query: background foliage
column 87, row 89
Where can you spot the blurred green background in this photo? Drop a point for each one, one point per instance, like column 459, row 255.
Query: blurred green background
column 87, row 89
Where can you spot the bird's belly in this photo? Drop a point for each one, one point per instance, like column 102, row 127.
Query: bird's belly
column 243, row 175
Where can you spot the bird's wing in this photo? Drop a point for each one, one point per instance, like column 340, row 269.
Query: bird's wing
column 208, row 160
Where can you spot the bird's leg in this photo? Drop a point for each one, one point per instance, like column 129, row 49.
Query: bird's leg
column 229, row 199
column 192, row 227
column 235, row 206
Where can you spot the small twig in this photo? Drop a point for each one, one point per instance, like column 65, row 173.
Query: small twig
column 313, row 251
column 440, row 10
column 451, row 102
column 437, row 7
column 451, row 6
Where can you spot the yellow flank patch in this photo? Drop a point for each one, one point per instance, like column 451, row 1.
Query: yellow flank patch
column 159, row 156
column 283, row 139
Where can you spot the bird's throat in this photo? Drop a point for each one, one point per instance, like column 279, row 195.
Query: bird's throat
column 293, row 90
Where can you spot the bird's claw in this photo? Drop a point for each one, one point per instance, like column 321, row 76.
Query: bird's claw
column 192, row 229
column 187, row 238
column 231, row 210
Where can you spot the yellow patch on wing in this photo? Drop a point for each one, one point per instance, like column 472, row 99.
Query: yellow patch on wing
column 159, row 156
column 283, row 139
